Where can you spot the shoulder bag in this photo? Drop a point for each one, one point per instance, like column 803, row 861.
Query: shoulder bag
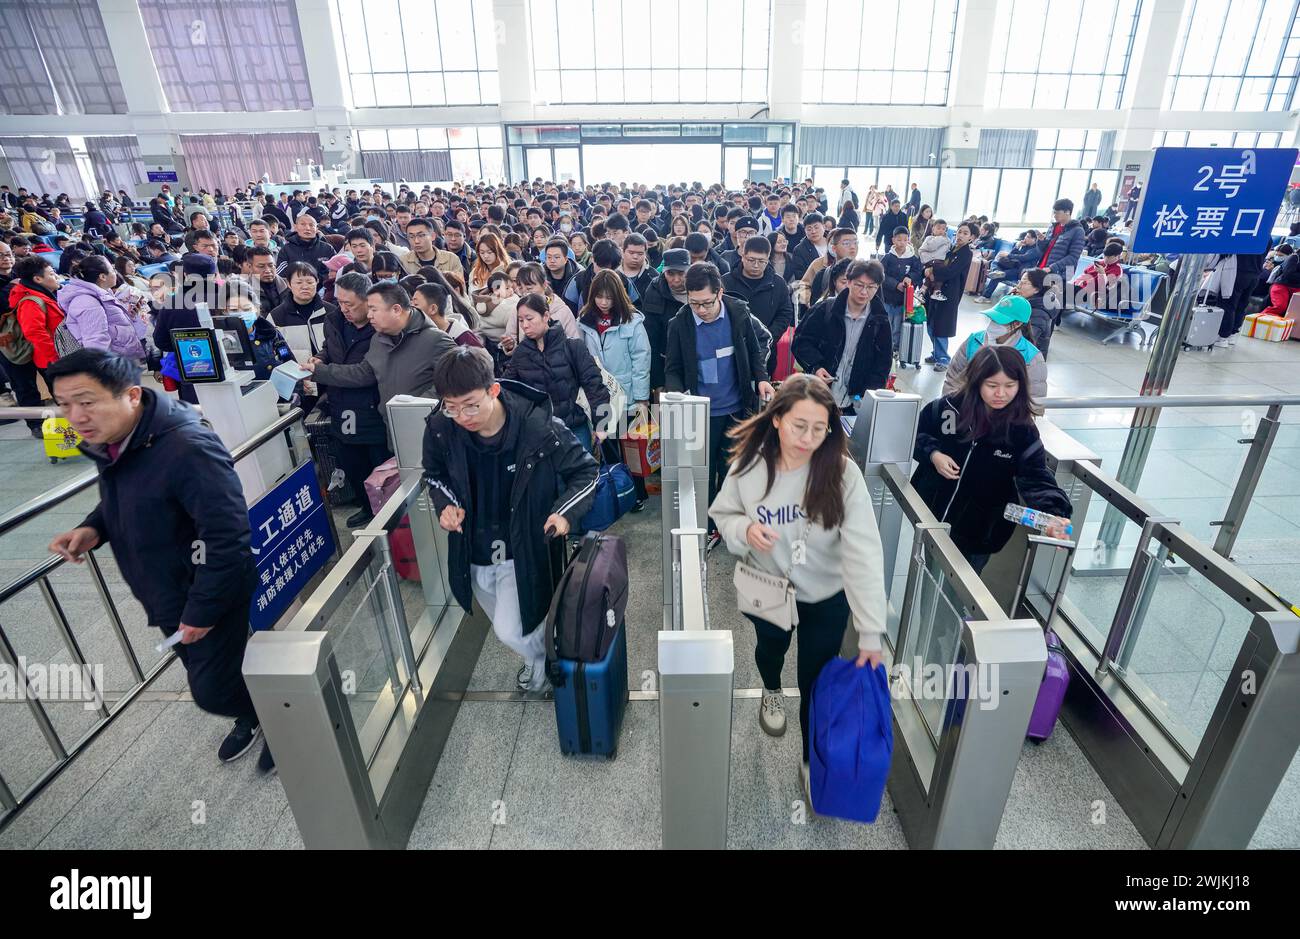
column 768, row 596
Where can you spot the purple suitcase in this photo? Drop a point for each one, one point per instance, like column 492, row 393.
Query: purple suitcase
column 1051, row 693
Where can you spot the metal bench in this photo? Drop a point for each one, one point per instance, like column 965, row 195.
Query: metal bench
column 1135, row 313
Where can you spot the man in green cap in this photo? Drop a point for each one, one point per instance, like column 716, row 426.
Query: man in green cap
column 1009, row 327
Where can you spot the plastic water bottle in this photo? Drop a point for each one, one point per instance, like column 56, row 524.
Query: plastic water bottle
column 1031, row 518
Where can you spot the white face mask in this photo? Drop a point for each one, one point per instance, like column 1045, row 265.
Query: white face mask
column 566, row 227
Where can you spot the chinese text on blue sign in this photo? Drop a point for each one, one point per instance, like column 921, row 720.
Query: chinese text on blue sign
column 291, row 541
column 1213, row 200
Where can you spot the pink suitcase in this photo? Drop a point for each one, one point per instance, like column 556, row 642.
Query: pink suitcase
column 381, row 484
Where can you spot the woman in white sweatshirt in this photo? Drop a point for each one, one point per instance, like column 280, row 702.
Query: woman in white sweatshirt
column 794, row 504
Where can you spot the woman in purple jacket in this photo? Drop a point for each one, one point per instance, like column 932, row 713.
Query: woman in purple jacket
column 95, row 317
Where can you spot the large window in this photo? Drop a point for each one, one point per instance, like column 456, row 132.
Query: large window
column 432, row 154
column 1247, row 139
column 1060, row 53
column 1235, row 55
column 884, row 52
column 55, row 59
column 227, row 55
column 419, row 53
column 1074, row 149
column 637, row 52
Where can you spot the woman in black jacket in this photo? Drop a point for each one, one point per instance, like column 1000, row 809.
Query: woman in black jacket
column 979, row 450
column 549, row 361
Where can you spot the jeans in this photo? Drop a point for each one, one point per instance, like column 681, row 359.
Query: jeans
column 869, row 223
column 821, row 630
column 895, row 311
column 940, row 344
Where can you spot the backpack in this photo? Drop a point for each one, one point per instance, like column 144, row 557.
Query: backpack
column 40, row 226
column 14, row 344
column 589, row 601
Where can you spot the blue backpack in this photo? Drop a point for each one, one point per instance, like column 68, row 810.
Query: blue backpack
column 851, row 740
column 615, row 494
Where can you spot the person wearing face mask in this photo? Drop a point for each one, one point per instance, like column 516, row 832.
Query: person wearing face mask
column 386, row 268
column 978, row 450
column 94, row 315
column 1009, row 327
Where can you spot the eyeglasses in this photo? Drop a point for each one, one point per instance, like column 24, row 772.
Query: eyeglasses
column 704, row 304
column 801, row 430
column 469, row 410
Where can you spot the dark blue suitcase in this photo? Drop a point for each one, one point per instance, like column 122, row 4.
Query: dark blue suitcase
column 590, row 698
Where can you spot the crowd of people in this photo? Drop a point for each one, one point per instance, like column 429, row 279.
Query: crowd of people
column 547, row 319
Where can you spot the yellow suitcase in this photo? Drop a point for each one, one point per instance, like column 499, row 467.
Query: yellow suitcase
column 61, row 441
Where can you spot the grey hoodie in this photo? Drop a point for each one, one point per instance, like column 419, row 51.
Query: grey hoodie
column 399, row 365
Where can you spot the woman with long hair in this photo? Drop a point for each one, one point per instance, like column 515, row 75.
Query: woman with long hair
column 491, row 258
column 979, row 450
column 795, row 505
column 615, row 334
column 780, row 254
column 921, row 226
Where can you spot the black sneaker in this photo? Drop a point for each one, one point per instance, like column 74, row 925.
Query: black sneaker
column 238, row 742
column 357, row 519
column 265, row 762
column 38, row 433
column 929, row 360
column 640, row 504
column 715, row 539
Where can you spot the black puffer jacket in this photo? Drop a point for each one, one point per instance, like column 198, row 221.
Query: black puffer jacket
column 768, row 299
column 819, row 343
column 354, row 412
column 315, row 252
column 994, row 472
column 172, row 487
column 553, row 475
column 560, row 368
column 658, row 306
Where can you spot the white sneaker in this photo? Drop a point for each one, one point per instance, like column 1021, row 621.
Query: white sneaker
column 1232, row 340
column 526, row 679
column 937, row 296
column 1221, row 344
column 805, row 777
column 771, row 713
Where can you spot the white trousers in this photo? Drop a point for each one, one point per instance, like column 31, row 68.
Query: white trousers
column 496, row 591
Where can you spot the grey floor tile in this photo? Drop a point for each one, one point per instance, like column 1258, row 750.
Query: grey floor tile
column 284, row 835
column 1280, row 826
column 552, row 801
column 471, row 778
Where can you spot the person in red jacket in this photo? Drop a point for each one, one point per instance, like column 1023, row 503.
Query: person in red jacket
column 32, row 300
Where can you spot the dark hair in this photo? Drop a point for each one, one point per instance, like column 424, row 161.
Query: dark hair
column 462, row 370
column 391, row 294
column 192, row 238
column 758, row 438
column 1037, row 276
column 535, row 302
column 606, row 254
column 610, row 283
column 410, row 282
column 1063, row 205
column 115, row 372
column 634, row 240
column 387, row 262
column 301, row 268
column 557, row 243
column 758, row 244
column 1113, row 249
column 703, row 275
column 31, row 267
column 360, row 234
column 978, row 420
column 91, row 267
column 419, row 221
column 862, row 267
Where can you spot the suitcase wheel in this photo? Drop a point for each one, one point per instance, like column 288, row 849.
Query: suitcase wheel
column 54, row 460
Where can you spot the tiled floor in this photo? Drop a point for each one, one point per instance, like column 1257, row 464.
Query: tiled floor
column 502, row 782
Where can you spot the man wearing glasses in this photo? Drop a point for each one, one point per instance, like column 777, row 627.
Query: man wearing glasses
column 508, row 483
column 419, row 234
column 715, row 348
column 848, row 343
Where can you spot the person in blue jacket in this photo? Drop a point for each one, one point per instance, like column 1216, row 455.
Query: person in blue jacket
column 173, row 511
column 1006, row 268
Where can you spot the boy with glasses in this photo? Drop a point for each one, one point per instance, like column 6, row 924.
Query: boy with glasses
column 508, row 483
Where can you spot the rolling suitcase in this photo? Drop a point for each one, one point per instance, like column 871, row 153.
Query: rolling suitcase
column 337, row 487
column 1203, row 330
column 911, row 344
column 60, row 440
column 785, row 364
column 1056, row 674
column 590, row 699
column 381, row 484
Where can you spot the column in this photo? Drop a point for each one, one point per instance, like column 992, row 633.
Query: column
column 322, row 49
column 785, row 67
column 1151, row 67
column 969, row 81
column 514, row 59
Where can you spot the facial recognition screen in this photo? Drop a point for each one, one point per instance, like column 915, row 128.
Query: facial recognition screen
column 197, row 356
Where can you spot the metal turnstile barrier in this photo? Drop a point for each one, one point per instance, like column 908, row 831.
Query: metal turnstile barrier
column 696, row 664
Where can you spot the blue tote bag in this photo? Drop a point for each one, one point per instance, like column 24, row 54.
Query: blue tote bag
column 615, row 494
column 851, row 733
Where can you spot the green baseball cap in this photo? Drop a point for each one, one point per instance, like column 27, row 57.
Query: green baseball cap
column 1010, row 309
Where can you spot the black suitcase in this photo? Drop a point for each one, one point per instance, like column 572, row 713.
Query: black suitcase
column 337, row 487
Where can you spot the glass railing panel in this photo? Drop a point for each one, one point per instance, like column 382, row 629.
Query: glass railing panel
column 1181, row 647
column 28, row 473
column 896, row 580
column 933, row 639
column 1099, row 570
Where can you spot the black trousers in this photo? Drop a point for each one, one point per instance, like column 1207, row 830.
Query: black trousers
column 719, row 444
column 22, row 379
column 214, row 666
column 358, row 460
column 821, row 630
column 1235, row 312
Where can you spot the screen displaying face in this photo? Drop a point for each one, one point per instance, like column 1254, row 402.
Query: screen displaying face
column 196, row 355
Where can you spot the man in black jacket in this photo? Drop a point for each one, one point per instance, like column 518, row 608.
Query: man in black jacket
column 813, row 246
column 715, row 349
column 847, row 343
column 305, row 244
column 890, row 221
column 663, row 298
column 173, row 511
column 767, row 295
column 508, row 481
column 560, row 268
